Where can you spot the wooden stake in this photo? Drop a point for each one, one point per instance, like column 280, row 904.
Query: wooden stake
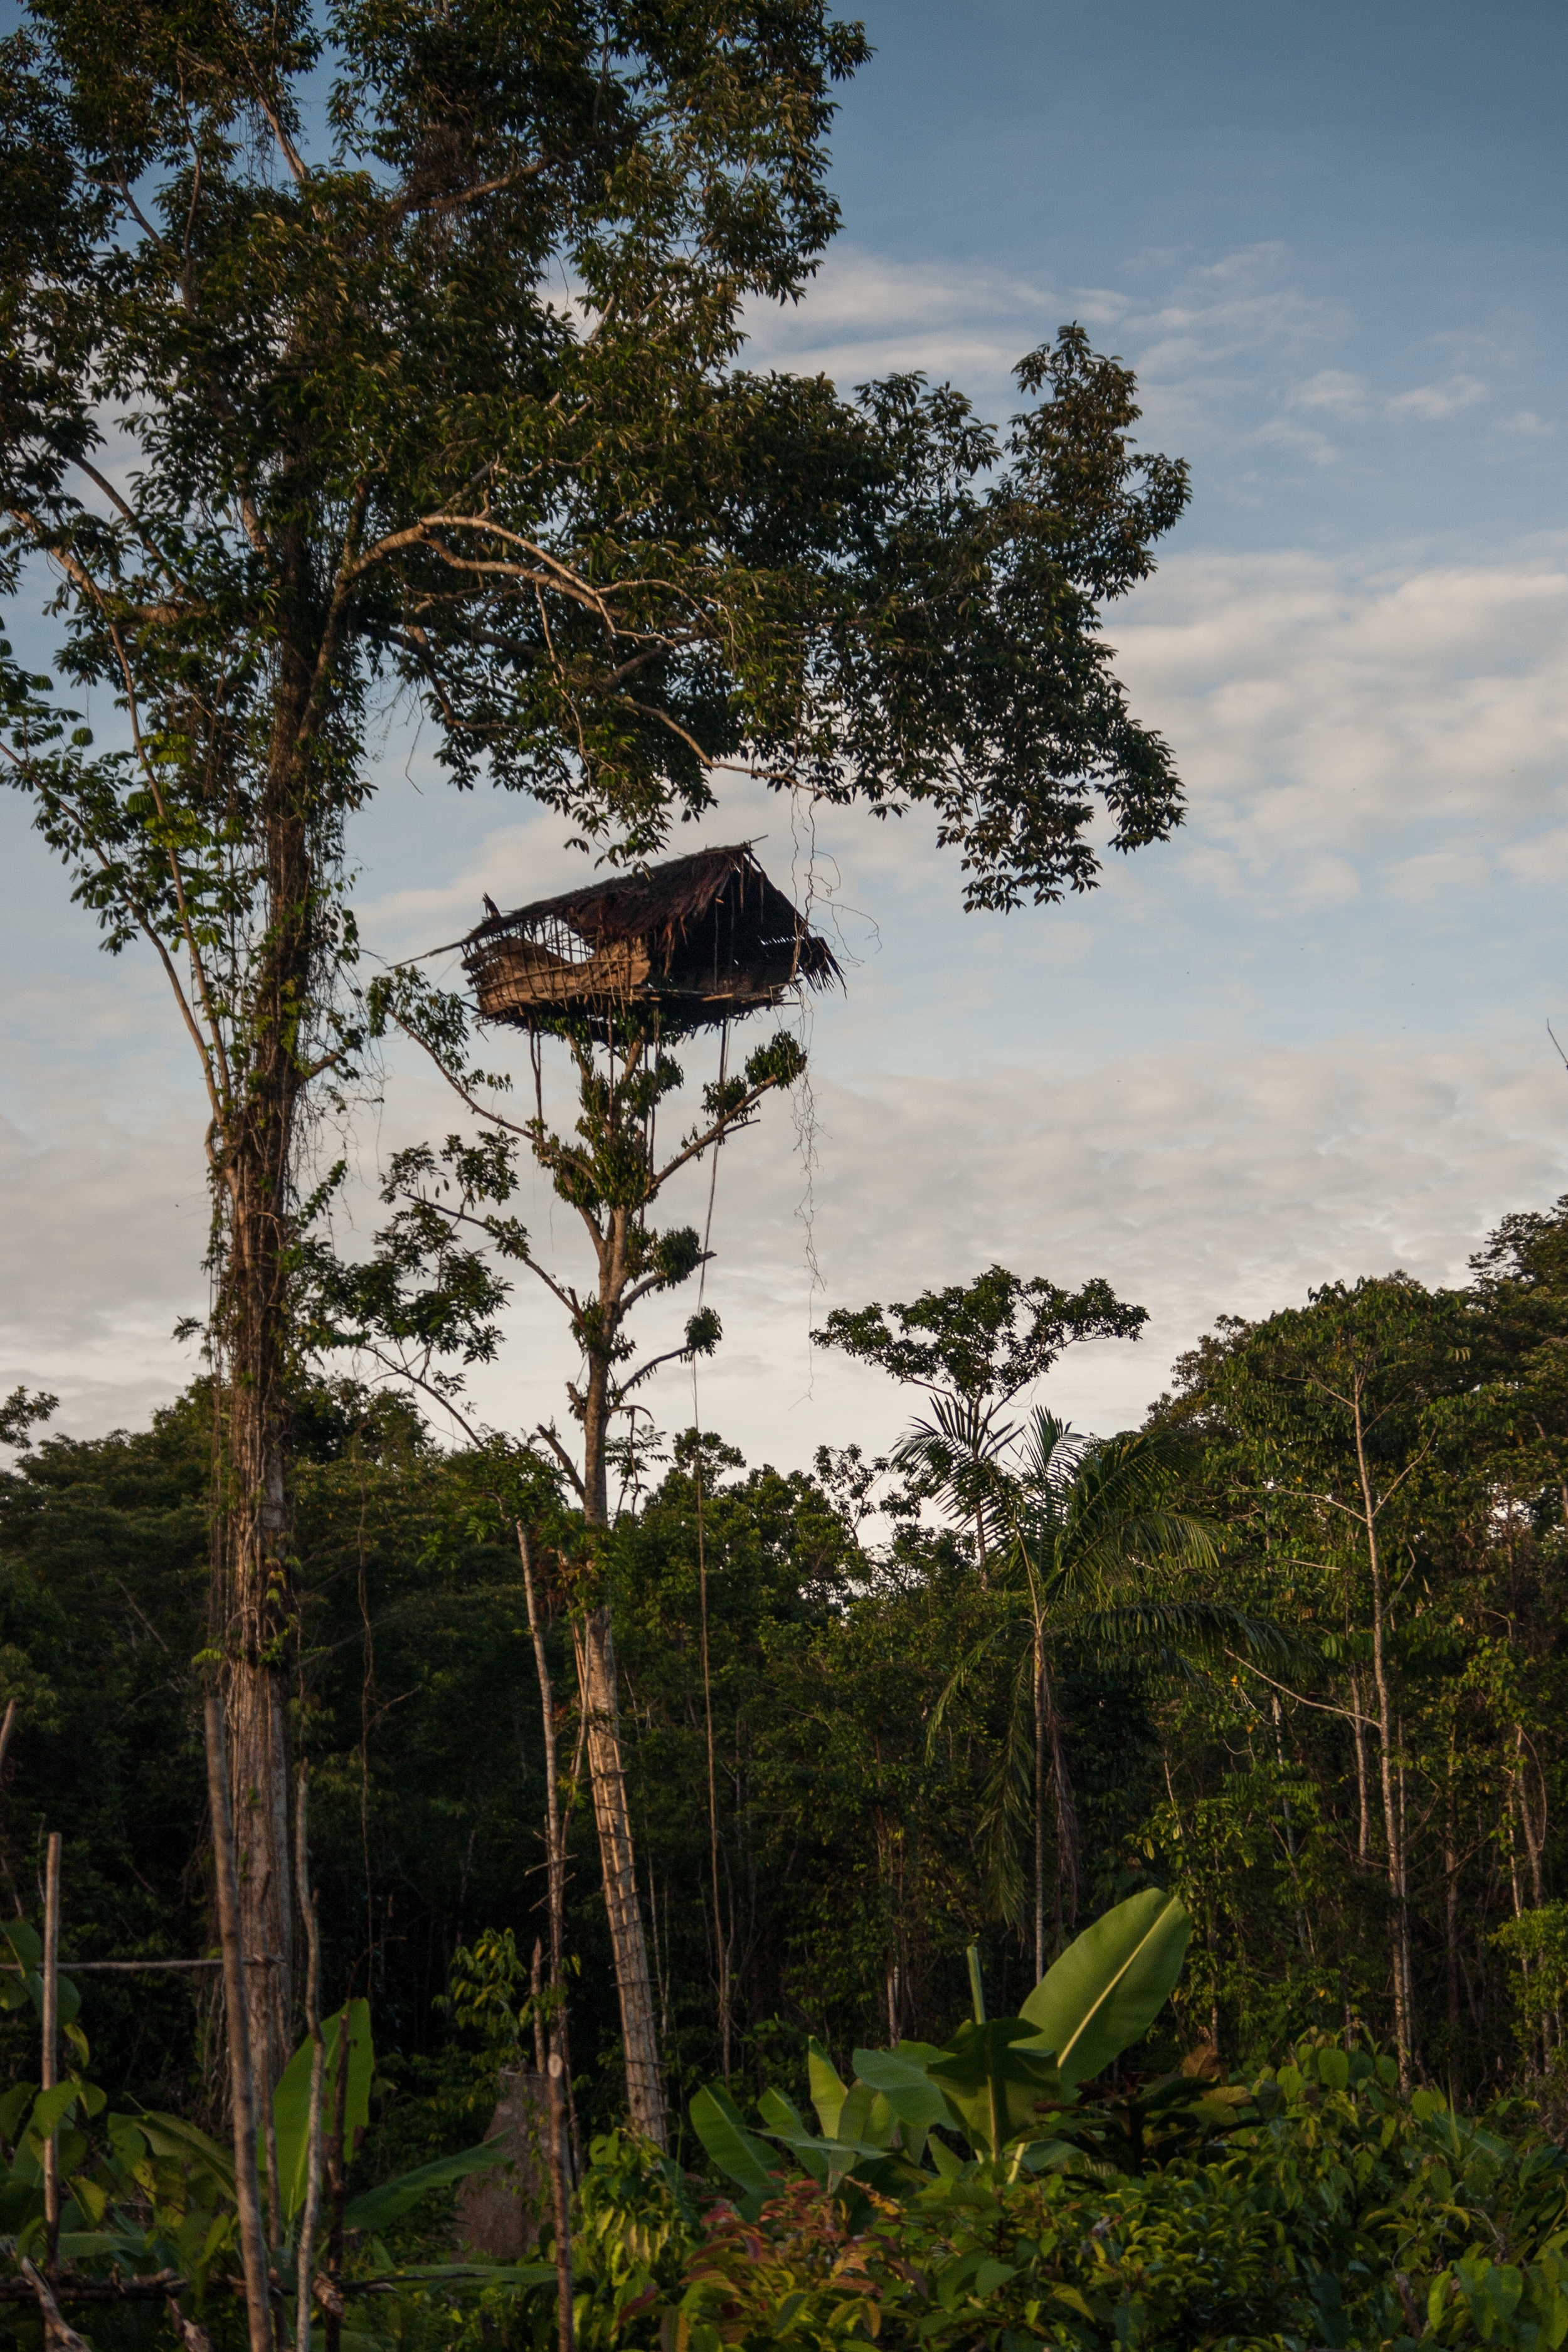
column 555, row 2079
column 269, row 2137
column 57, row 2335
column 248, row 2195
column 329, row 2292
column 50, row 2058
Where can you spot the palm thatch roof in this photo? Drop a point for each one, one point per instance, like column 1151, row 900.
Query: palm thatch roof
column 703, row 938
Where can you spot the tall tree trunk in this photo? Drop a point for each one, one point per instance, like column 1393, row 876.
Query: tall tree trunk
column 595, row 1652
column 1451, row 1901
column 255, row 1599
column 1364, row 1809
column 1039, row 1662
column 1534, row 1828
column 1066, row 1811
column 597, row 1675
column 255, row 1176
column 1388, row 1769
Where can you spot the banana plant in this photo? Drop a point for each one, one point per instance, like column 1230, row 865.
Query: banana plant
column 997, row 2082
column 149, row 2190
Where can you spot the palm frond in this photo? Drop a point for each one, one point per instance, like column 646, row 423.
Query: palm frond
column 1049, row 1455
column 1007, row 1806
column 1207, row 1630
column 957, row 1456
column 962, row 1675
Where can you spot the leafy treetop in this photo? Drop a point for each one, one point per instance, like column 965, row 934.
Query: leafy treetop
column 980, row 1341
column 445, row 397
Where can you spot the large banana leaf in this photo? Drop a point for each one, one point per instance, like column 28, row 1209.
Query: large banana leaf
column 902, row 2078
column 998, row 2083
column 291, row 2101
column 786, row 2124
column 829, row 2091
column 1108, row 1987
column 721, row 2129
column 172, row 2136
column 386, row 2203
column 996, row 2086
column 866, row 2118
column 829, row 2160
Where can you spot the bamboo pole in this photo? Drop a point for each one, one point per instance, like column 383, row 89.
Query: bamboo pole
column 50, row 2056
column 139, row 1968
column 338, row 2153
column 555, row 2073
column 241, row 2098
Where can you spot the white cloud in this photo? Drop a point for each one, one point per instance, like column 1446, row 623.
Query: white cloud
column 1333, row 389
column 1430, row 402
column 1314, row 703
column 1369, row 746
column 1223, row 1177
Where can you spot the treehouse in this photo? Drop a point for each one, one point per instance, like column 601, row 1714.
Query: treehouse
column 700, row 940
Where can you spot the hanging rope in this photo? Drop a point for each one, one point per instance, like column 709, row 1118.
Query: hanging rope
column 721, row 1941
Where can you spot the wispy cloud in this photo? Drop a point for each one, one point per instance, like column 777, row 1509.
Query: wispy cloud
column 1198, row 1182
column 1310, row 701
column 1335, row 390
column 1429, row 403
column 1527, row 420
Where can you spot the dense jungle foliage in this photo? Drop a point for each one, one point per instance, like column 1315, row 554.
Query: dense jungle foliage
column 851, row 1800
column 1363, row 1820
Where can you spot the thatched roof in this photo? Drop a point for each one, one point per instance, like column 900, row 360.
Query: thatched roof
column 704, row 939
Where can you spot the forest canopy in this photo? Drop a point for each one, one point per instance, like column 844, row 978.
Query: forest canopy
column 851, row 1831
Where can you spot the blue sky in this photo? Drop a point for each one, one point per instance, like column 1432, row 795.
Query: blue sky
column 1382, row 186
column 1305, row 1040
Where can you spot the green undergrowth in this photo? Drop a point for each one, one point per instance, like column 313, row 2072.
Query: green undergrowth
column 1335, row 2214
column 1332, row 2213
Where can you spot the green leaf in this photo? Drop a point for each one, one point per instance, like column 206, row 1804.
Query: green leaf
column 991, row 2276
column 997, row 2081
column 905, row 2085
column 291, row 2101
column 172, row 2136
column 855, row 2115
column 51, row 2108
column 784, row 2117
column 24, row 1941
column 1108, row 1986
column 719, row 2125
column 381, row 2205
column 828, row 2093
column 13, row 2105
column 21, row 2201
column 787, row 2124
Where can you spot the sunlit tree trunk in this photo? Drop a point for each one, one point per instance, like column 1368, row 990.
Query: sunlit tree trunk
column 1387, row 1759
column 597, row 1675
column 254, row 1152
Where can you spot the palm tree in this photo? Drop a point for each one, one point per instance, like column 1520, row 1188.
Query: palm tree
column 1083, row 1540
